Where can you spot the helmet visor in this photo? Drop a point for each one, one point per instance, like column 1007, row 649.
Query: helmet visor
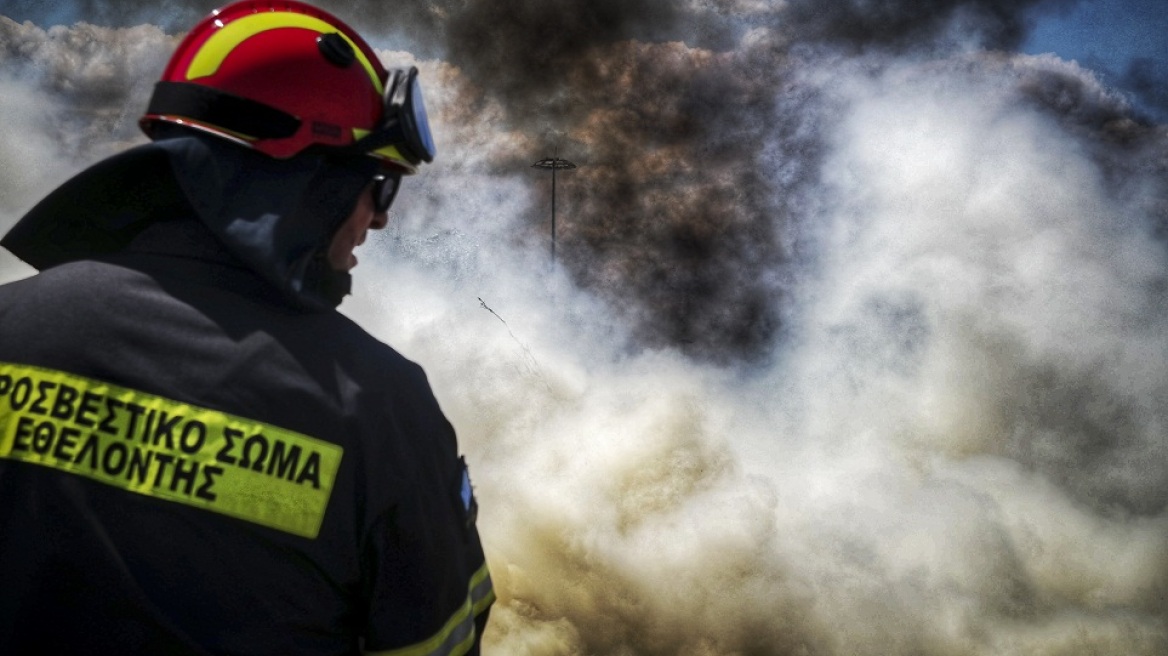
column 417, row 115
column 404, row 125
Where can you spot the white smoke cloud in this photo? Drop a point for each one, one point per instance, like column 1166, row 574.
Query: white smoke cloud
column 958, row 451
column 956, row 447
column 980, row 341
column 30, row 164
column 68, row 97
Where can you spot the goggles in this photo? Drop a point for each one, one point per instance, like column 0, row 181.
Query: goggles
column 404, row 125
column 385, row 186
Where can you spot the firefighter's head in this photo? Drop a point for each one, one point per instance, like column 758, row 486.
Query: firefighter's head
column 285, row 78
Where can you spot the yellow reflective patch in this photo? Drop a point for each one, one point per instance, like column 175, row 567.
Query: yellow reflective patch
column 225, row 39
column 161, row 448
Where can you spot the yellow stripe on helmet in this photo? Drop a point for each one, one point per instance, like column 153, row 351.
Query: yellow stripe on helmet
column 389, row 152
column 225, row 39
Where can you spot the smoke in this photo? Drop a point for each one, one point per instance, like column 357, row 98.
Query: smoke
column 670, row 110
column 69, row 96
column 902, row 25
column 955, row 449
column 857, row 340
column 669, row 206
column 651, row 95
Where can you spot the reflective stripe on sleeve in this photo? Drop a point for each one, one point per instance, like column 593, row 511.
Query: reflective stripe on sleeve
column 457, row 636
column 158, row 447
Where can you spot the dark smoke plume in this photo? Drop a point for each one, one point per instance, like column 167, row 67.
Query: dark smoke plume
column 670, row 109
column 910, row 25
column 674, row 204
column 670, row 204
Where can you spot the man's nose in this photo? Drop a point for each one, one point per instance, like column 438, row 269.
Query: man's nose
column 380, row 220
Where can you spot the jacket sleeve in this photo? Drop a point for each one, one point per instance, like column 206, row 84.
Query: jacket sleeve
column 428, row 589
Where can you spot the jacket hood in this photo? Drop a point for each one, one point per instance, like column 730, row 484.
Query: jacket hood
column 277, row 217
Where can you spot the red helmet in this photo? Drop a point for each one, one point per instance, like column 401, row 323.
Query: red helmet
column 280, row 76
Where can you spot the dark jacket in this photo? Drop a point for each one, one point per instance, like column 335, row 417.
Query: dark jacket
column 192, row 462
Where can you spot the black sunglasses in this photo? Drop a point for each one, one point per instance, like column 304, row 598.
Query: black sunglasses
column 385, row 186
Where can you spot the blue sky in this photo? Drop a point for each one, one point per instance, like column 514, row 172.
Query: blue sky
column 1110, row 37
column 1108, row 31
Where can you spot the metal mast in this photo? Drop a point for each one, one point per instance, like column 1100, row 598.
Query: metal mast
column 555, row 164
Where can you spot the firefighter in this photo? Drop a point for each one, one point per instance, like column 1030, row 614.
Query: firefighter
column 198, row 453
